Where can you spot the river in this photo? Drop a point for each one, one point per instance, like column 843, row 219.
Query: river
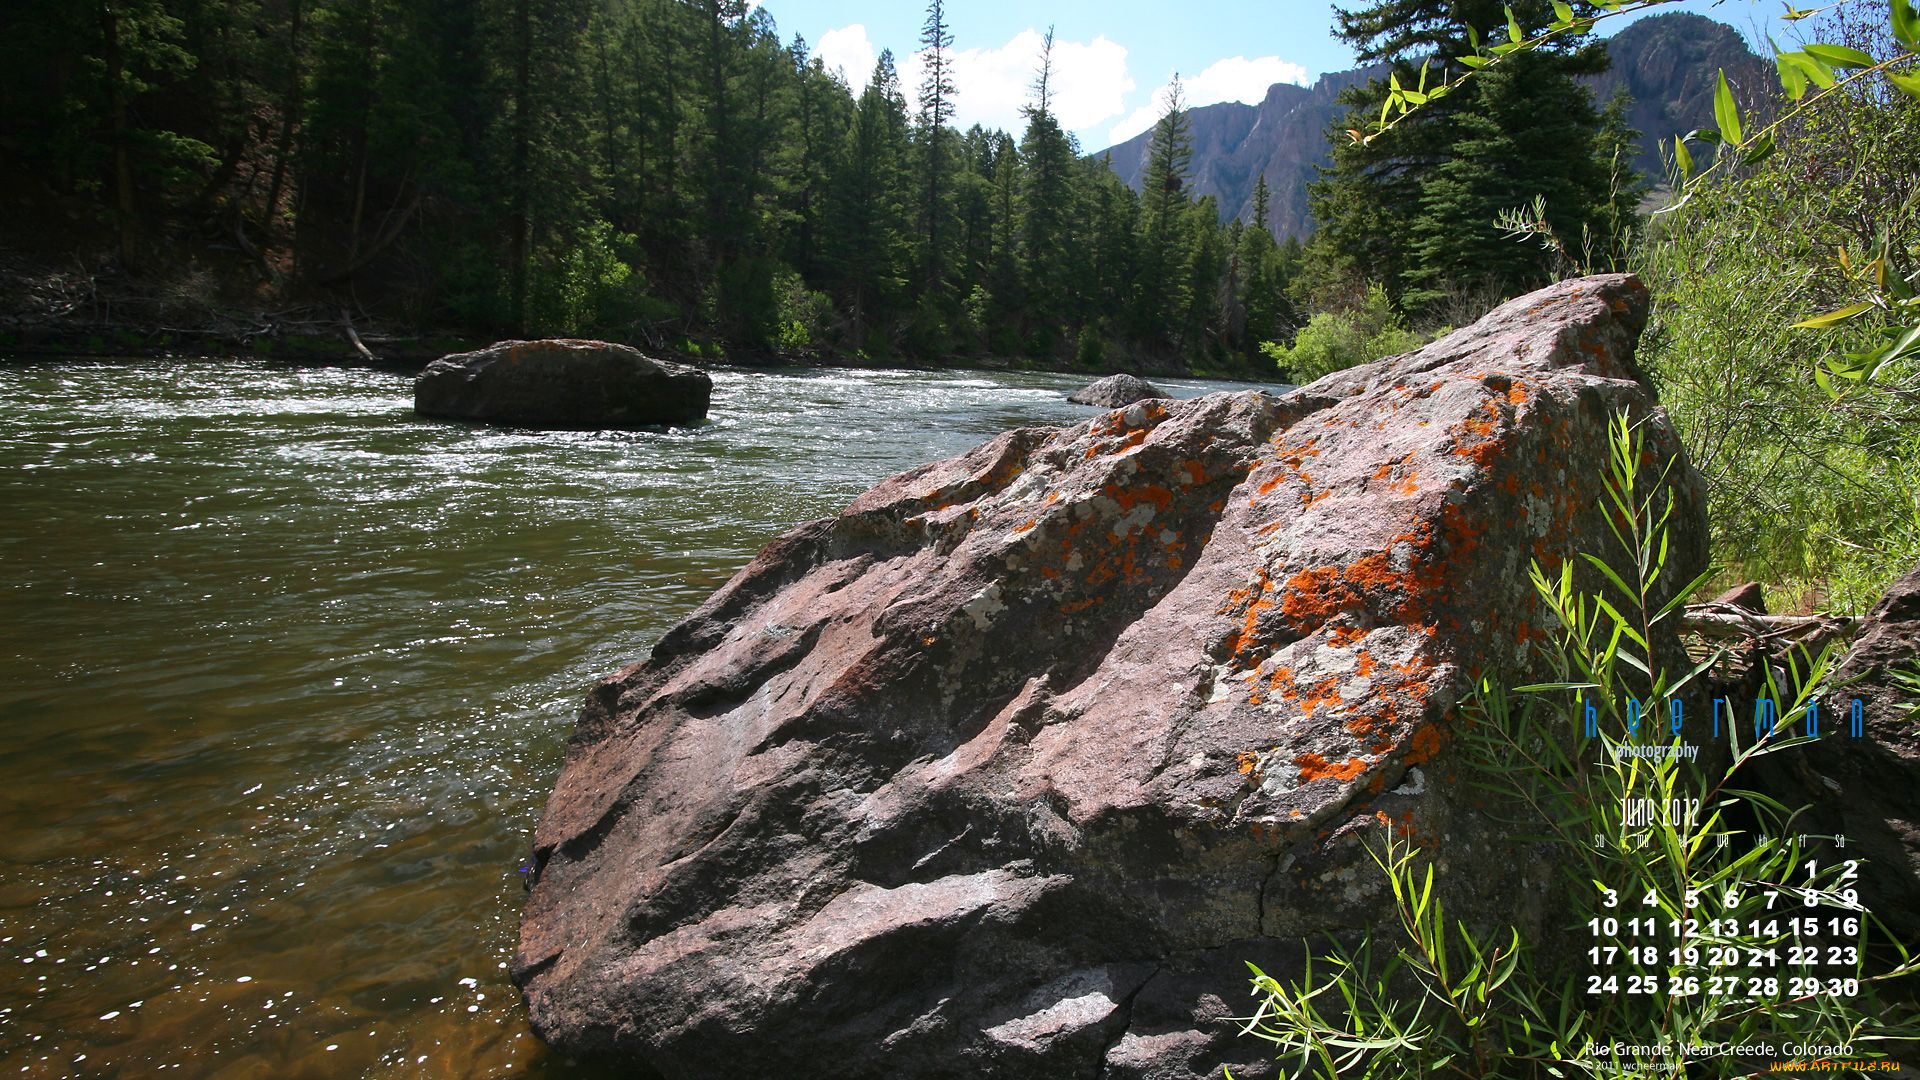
column 288, row 672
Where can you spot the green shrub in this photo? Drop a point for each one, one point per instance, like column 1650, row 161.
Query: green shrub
column 1089, row 352
column 1341, row 338
column 1811, row 490
column 806, row 318
column 583, row 285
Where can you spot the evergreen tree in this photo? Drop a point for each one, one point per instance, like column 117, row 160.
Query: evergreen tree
column 936, row 108
column 651, row 170
column 1162, row 299
column 1414, row 207
column 1047, row 155
column 870, row 220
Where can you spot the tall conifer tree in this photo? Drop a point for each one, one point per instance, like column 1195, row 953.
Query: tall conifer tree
column 1414, row 208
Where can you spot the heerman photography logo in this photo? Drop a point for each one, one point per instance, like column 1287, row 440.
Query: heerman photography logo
column 1672, row 719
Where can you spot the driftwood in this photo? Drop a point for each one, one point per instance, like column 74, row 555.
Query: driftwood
column 353, row 336
column 1732, row 621
column 1753, row 650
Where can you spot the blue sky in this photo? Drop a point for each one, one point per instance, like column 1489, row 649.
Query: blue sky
column 1112, row 58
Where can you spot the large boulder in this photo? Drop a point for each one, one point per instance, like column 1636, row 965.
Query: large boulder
column 1005, row 770
column 562, row 384
column 1115, row 391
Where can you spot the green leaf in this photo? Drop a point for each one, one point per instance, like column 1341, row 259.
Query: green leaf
column 1682, row 157
column 1761, row 150
column 1839, row 56
column 1907, row 84
column 1831, row 318
column 1906, row 343
column 1563, row 13
column 1814, row 68
column 1792, row 79
column 1474, row 61
column 1725, row 113
column 1514, row 33
column 1821, row 380
column 1906, row 24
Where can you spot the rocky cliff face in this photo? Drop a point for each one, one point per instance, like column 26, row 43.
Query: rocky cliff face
column 1283, row 138
column 1005, row 770
column 1666, row 62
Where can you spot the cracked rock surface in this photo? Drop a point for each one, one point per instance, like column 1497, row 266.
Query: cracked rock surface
column 1007, row 769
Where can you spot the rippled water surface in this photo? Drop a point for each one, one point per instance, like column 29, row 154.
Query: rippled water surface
column 287, row 674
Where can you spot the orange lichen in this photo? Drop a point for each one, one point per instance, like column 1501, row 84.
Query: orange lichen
column 1247, row 761
column 1077, row 606
column 1128, row 498
column 1196, row 471
column 1240, row 639
column 1315, row 767
column 1425, row 743
column 1314, row 595
column 1326, row 693
column 1282, row 681
column 1025, row 526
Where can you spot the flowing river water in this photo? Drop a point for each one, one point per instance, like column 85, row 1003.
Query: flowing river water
column 288, row 673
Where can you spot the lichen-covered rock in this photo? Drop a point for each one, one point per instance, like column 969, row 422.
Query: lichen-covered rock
column 562, row 384
column 1115, row 391
column 1006, row 769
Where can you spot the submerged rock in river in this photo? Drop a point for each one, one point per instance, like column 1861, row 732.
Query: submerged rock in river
column 1005, row 770
column 1115, row 391
column 562, row 384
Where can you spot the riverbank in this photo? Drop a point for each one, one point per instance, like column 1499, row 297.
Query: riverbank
column 82, row 312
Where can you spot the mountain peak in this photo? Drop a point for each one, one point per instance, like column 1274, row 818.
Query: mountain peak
column 1666, row 62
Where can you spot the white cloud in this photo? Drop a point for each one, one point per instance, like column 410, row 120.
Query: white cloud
column 1234, row 79
column 1090, row 82
column 848, row 50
